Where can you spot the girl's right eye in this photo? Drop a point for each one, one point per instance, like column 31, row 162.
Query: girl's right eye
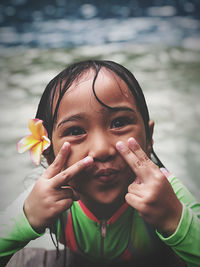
column 74, row 131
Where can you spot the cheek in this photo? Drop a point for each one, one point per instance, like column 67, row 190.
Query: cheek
column 56, row 143
column 140, row 136
column 73, row 157
column 56, row 149
column 142, row 142
column 75, row 154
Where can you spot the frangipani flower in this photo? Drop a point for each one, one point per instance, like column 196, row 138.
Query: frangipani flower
column 36, row 142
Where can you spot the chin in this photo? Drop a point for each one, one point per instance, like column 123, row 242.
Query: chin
column 109, row 198
column 105, row 194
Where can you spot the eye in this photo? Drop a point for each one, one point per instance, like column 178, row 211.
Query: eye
column 120, row 122
column 75, row 130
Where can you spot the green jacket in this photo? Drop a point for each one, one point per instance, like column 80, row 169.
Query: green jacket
column 114, row 238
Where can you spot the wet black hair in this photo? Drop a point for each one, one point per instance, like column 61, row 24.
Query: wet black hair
column 55, row 90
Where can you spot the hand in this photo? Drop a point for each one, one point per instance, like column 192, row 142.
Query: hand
column 51, row 194
column 151, row 193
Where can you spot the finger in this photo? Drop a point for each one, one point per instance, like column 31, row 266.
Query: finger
column 64, row 204
column 70, row 173
column 136, row 158
column 68, row 192
column 59, row 161
column 167, row 174
column 138, row 151
column 136, row 188
column 150, row 169
column 134, row 201
column 64, row 193
column 128, row 155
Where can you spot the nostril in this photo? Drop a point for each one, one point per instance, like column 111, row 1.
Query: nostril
column 104, row 158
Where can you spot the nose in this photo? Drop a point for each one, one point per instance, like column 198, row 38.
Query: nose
column 102, row 147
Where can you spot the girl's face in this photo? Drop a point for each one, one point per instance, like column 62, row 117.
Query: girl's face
column 94, row 130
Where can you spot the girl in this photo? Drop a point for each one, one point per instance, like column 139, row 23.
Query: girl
column 102, row 195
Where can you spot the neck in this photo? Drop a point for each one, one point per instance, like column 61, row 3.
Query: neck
column 102, row 211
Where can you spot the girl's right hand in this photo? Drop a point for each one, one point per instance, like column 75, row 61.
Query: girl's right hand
column 51, row 194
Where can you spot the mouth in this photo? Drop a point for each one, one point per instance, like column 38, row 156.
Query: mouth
column 107, row 175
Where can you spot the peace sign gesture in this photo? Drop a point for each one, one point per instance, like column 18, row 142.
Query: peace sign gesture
column 51, row 194
column 151, row 193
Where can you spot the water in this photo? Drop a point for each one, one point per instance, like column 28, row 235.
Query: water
column 162, row 49
column 175, row 31
column 170, row 80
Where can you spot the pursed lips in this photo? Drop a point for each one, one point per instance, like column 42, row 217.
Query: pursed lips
column 106, row 172
column 107, row 175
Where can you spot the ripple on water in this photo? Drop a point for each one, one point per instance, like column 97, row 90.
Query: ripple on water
column 173, row 31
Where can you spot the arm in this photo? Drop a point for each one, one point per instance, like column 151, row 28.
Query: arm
column 169, row 208
column 15, row 230
column 185, row 241
column 36, row 210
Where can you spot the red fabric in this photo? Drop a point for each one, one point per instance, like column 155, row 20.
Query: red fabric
column 87, row 212
column 69, row 234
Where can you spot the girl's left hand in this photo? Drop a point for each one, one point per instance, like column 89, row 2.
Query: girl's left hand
column 151, row 193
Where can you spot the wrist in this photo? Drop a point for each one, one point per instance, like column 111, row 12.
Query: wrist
column 32, row 220
column 171, row 224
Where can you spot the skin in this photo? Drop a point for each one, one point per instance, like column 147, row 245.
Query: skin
column 88, row 138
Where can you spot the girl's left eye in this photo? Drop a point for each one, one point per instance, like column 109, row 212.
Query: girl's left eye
column 120, row 122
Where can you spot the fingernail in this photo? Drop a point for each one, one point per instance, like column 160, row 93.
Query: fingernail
column 165, row 172
column 88, row 160
column 121, row 146
column 132, row 141
column 65, row 145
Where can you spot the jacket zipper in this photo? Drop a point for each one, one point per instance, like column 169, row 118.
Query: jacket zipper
column 103, row 234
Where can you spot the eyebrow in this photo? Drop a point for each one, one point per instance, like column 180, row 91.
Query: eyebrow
column 81, row 116
column 121, row 108
column 76, row 117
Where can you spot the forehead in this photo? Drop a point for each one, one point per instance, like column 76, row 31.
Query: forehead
column 109, row 88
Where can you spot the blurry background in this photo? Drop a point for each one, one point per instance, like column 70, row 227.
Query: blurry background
column 158, row 40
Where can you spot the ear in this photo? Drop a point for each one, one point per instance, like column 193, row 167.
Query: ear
column 150, row 140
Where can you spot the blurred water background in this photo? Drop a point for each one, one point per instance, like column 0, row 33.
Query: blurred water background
column 159, row 41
